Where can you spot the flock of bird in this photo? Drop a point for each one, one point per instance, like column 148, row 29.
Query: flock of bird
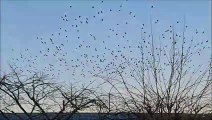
column 82, row 53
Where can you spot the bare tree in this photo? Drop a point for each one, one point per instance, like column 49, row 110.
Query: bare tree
column 162, row 81
column 39, row 96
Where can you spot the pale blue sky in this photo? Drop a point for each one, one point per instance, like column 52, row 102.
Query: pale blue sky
column 22, row 21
